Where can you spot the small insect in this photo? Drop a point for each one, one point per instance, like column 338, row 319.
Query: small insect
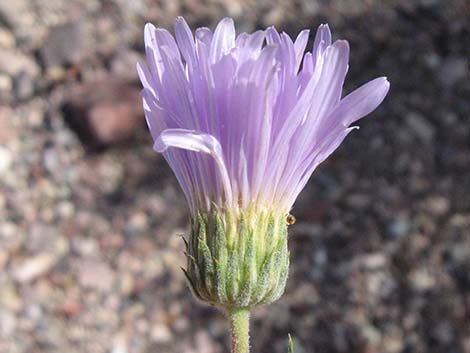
column 290, row 220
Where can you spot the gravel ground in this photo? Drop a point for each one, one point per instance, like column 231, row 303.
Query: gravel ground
column 89, row 215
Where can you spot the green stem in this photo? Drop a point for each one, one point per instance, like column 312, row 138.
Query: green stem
column 239, row 328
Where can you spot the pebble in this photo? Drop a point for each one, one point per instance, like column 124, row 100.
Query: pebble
column 95, row 275
column 421, row 280
column 15, row 62
column 306, row 294
column 3, row 259
column 398, row 227
column 452, row 70
column 86, row 246
column 63, row 46
column 34, row 267
column 126, row 284
column 444, row 332
column 16, row 14
column 138, row 222
column 160, row 333
column 71, row 307
column 6, row 160
column 9, row 298
column 120, row 344
column 359, row 201
column 6, row 88
column 393, row 341
column 23, row 86
column 8, row 323
column 7, row 39
column 438, row 205
column 373, row 261
column 421, row 126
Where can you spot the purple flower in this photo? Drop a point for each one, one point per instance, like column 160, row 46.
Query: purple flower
column 244, row 120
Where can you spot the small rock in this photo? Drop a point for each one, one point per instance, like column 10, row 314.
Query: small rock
column 138, row 222
column 95, row 275
column 9, row 298
column 358, row 201
column 6, row 160
column 438, row 205
column 6, row 88
column 126, row 284
column 398, row 227
column 16, row 14
column 7, row 40
column 421, row 127
column 161, row 333
column 432, row 60
column 453, row 69
column 120, row 344
column 86, row 246
column 444, row 332
column 63, row 46
column 34, row 267
column 450, row 118
column 306, row 294
column 393, row 340
column 8, row 323
column 111, row 241
column 421, row 280
column 3, row 259
column 371, row 335
column 15, row 62
column 23, row 85
column 113, row 122
column 42, row 238
column 320, row 257
column 373, row 261
column 458, row 252
column 71, row 307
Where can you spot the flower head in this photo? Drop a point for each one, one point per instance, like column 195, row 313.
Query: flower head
column 243, row 122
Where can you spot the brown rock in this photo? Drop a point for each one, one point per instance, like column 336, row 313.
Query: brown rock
column 104, row 113
column 113, row 121
column 71, row 307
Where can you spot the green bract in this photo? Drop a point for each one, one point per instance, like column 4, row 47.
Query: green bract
column 237, row 259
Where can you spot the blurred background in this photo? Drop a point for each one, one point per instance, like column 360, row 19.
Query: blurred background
column 89, row 215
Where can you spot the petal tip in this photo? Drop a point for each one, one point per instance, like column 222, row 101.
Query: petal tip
column 180, row 22
column 325, row 28
column 227, row 20
column 149, row 27
column 386, row 83
column 159, row 146
column 342, row 43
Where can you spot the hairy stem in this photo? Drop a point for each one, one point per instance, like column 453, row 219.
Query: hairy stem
column 239, row 329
